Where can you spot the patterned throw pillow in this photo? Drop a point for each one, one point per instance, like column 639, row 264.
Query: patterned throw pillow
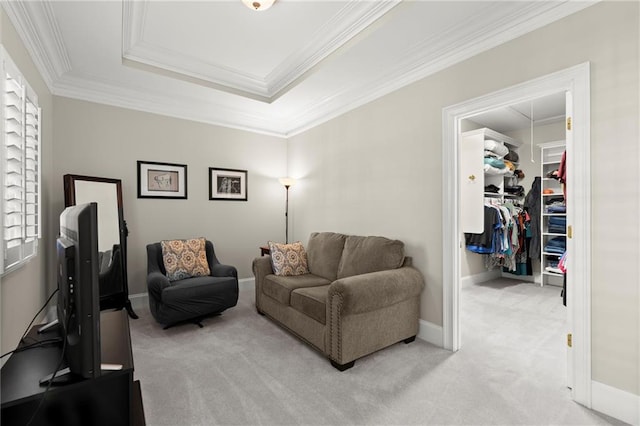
column 288, row 259
column 185, row 258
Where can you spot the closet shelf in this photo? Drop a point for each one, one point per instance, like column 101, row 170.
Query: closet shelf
column 551, row 156
column 546, row 253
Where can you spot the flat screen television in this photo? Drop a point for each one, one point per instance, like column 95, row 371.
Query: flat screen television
column 78, row 289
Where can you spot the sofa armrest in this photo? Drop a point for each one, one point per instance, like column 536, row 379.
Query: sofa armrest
column 220, row 270
column 261, row 268
column 156, row 282
column 369, row 292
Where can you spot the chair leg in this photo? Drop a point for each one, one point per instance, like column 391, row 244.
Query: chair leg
column 342, row 367
column 196, row 321
column 409, row 339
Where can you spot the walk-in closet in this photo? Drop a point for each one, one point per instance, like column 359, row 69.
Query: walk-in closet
column 513, row 216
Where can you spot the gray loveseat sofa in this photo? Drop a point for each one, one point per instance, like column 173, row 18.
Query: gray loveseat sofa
column 361, row 295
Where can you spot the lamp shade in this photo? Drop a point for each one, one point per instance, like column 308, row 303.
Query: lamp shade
column 258, row 4
column 287, row 181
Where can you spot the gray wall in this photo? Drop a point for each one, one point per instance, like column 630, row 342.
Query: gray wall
column 104, row 141
column 378, row 169
column 375, row 170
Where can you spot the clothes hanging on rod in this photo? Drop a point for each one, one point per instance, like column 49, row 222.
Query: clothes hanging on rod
column 503, row 239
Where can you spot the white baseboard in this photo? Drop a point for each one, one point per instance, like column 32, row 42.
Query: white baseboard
column 616, row 403
column 247, row 283
column 430, row 332
column 139, row 300
column 481, row 277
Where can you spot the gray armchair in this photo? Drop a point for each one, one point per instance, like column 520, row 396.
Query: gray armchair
column 189, row 299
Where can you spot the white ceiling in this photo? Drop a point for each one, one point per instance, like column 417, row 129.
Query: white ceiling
column 545, row 110
column 279, row 71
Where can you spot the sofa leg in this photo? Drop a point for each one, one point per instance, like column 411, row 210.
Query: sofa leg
column 343, row 367
column 409, row 339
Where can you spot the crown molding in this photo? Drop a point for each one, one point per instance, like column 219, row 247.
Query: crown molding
column 100, row 91
column 351, row 20
column 36, row 25
column 38, row 29
column 422, row 60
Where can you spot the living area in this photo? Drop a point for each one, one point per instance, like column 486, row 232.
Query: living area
column 374, row 170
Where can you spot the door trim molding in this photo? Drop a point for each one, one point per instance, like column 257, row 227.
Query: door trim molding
column 577, row 80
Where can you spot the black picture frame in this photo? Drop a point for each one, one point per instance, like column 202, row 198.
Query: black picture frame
column 162, row 180
column 228, row 184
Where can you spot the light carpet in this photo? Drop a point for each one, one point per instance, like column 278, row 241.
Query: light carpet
column 242, row 369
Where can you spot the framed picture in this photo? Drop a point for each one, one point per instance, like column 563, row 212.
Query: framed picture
column 227, row 184
column 162, row 180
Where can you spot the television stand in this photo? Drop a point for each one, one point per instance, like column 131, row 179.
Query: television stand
column 114, row 398
column 64, row 375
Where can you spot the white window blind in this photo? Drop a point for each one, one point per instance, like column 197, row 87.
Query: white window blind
column 20, row 158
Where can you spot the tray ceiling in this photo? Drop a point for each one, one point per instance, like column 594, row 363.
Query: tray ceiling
column 280, row 71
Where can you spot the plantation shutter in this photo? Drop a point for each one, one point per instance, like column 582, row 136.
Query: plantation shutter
column 21, row 168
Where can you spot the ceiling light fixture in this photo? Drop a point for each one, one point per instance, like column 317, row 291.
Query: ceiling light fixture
column 258, row 5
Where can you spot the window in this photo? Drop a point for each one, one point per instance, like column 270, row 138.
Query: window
column 20, row 159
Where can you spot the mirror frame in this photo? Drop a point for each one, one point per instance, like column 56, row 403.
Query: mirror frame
column 70, row 200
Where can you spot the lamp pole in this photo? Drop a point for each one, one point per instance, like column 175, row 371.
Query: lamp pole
column 287, row 182
column 286, row 217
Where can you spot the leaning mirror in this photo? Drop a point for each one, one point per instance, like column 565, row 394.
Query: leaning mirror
column 112, row 235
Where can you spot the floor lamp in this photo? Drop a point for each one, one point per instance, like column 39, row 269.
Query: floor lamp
column 287, row 182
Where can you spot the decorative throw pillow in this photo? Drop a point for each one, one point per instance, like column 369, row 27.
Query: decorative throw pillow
column 185, row 258
column 288, row 259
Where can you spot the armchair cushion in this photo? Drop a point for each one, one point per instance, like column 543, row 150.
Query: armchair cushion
column 185, row 258
column 288, row 259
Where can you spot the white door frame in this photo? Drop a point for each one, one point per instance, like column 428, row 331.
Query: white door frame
column 576, row 80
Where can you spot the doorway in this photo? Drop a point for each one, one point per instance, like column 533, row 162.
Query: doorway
column 575, row 82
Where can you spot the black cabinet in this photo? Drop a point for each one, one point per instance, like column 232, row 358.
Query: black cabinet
column 111, row 399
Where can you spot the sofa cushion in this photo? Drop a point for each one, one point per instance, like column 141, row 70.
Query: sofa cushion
column 288, row 259
column 362, row 255
column 185, row 258
column 311, row 301
column 324, row 251
column 280, row 287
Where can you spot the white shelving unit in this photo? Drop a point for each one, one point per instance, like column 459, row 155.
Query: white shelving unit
column 551, row 156
column 473, row 178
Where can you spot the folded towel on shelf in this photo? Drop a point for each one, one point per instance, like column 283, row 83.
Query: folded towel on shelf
column 490, row 170
column 496, row 147
column 494, row 162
